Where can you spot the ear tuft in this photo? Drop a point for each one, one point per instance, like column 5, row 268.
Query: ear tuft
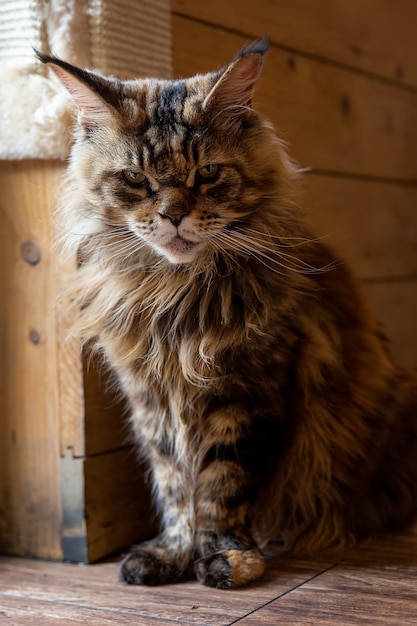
column 85, row 87
column 237, row 82
column 259, row 46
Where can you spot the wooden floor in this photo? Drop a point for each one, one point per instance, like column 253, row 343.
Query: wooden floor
column 375, row 583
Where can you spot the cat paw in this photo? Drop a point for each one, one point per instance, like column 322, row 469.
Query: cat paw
column 229, row 569
column 147, row 565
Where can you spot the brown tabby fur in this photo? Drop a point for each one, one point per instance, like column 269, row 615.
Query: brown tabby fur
column 261, row 388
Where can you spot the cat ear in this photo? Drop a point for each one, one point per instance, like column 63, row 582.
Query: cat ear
column 90, row 91
column 234, row 89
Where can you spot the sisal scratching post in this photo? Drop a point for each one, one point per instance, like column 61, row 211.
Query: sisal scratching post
column 127, row 38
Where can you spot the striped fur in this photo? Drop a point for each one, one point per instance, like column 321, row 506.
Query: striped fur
column 262, row 391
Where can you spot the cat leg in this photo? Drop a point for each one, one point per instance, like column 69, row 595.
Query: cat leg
column 228, row 555
column 167, row 557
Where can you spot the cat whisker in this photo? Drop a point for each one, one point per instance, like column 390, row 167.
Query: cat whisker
column 216, row 244
column 258, row 249
column 63, row 229
column 99, row 219
column 247, row 250
column 124, row 245
column 258, row 243
column 302, row 241
column 289, row 257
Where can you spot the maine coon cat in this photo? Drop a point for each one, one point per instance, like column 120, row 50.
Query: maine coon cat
column 261, row 389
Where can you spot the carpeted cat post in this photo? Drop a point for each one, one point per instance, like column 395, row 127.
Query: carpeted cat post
column 63, row 491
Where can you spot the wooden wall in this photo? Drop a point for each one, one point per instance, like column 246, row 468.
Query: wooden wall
column 340, row 84
column 30, row 511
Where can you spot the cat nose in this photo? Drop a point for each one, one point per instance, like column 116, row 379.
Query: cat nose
column 175, row 213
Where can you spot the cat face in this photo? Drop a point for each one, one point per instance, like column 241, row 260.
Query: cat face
column 179, row 214
column 176, row 190
column 178, row 164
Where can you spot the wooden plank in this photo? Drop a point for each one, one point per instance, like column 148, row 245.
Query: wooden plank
column 346, row 595
column 333, row 119
column 30, row 514
column 106, row 423
column 71, row 386
column 376, row 36
column 371, row 225
column 96, row 586
column 374, row 585
column 396, row 306
column 24, row 612
column 117, row 503
column 397, row 551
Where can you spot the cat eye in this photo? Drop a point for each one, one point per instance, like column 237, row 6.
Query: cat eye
column 208, row 172
column 134, row 178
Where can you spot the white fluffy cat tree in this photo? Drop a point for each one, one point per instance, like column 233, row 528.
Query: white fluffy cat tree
column 126, row 38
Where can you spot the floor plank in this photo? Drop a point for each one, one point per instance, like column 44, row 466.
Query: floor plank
column 344, row 595
column 371, row 583
column 79, row 590
column 28, row 612
column 396, row 551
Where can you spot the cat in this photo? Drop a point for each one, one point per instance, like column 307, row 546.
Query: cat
column 261, row 388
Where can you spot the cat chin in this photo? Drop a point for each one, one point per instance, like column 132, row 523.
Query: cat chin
column 179, row 250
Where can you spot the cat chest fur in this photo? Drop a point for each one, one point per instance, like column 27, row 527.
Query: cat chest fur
column 199, row 370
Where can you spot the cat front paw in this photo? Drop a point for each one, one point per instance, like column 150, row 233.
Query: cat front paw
column 148, row 564
column 228, row 569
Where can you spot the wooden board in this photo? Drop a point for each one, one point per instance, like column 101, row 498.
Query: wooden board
column 28, row 612
column 376, row 36
column 70, row 377
column 371, row 583
column 117, row 503
column 371, row 225
column 96, row 587
column 30, row 511
column 396, row 306
column 370, row 597
column 106, row 424
column 396, row 551
column 333, row 119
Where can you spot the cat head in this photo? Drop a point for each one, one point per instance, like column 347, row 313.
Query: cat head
column 183, row 165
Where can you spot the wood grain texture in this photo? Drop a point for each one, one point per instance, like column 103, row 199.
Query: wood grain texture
column 53, row 415
column 70, row 378
column 96, row 587
column 333, row 119
column 396, row 306
column 371, row 225
column 106, row 424
column 117, row 504
column 346, row 595
column 30, row 511
column 26, row 612
column 397, row 551
column 375, row 36
column 370, row 583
